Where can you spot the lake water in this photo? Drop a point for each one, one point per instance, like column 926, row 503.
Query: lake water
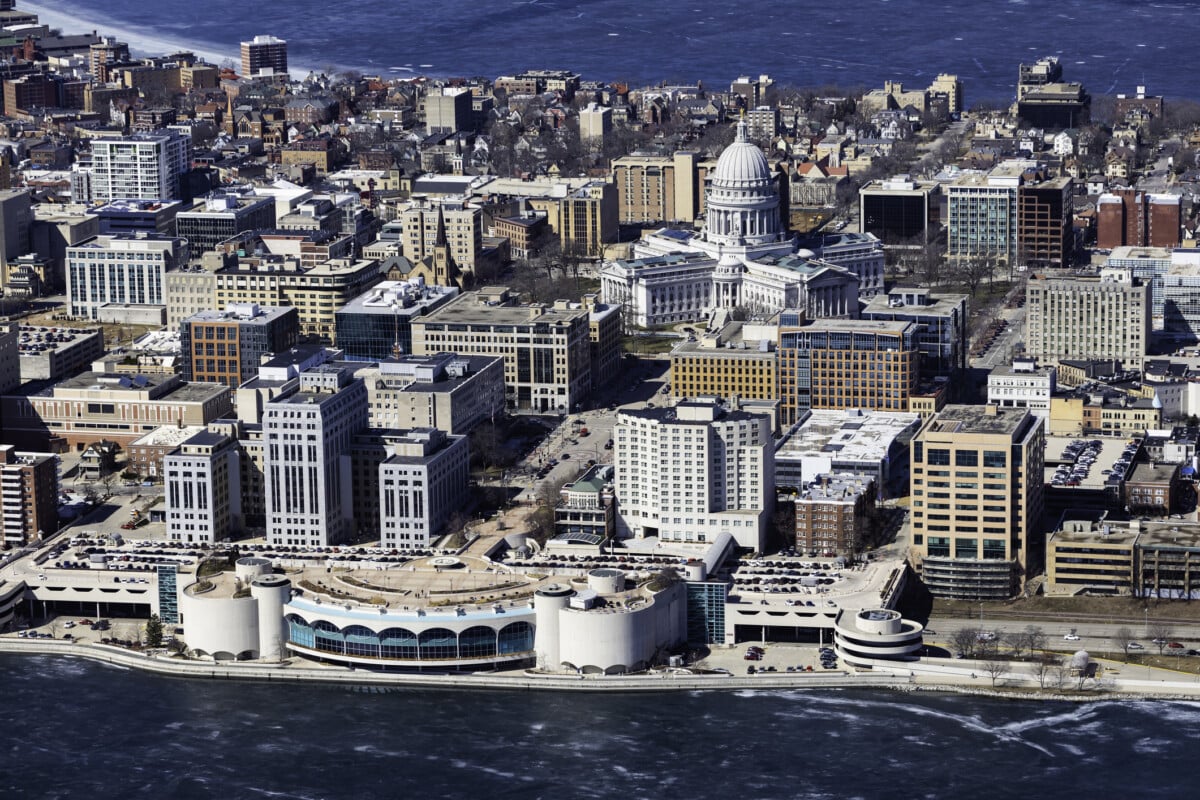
column 1109, row 45
column 77, row 729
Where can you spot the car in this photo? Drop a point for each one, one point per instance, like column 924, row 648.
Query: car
column 1071, row 637
column 69, row 624
column 1175, row 646
column 1159, row 641
column 750, row 670
column 752, row 657
column 755, row 649
column 1135, row 646
column 985, row 636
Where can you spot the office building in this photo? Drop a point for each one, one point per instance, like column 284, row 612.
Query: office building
column 941, row 319
column 16, row 223
column 228, row 346
column 223, row 215
column 1150, row 265
column 264, row 56
column 869, row 443
column 29, row 489
column 134, row 216
column 860, row 253
column 1023, row 385
column 378, row 324
column 982, row 212
column 900, row 210
column 1045, row 238
column 976, row 474
column 738, row 361
column 422, row 484
column 1045, row 101
column 427, row 225
column 307, row 463
column 587, row 219
column 10, row 358
column 447, row 391
column 145, row 166
column 448, row 110
column 693, row 472
column 317, row 291
column 840, row 364
column 546, row 350
column 203, row 489
column 658, row 188
column 1087, row 318
column 120, row 270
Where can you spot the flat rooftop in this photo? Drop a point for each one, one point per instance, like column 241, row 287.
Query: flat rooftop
column 847, row 435
column 978, row 419
column 1099, row 471
column 466, row 309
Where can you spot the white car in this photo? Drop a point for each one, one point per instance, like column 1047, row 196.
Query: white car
column 1134, row 646
column 1071, row 637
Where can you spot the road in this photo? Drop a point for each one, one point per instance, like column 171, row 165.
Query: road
column 1093, row 636
column 1001, row 351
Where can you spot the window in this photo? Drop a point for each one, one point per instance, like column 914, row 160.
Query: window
column 939, row 546
column 966, row 548
column 939, row 456
column 993, row 548
column 966, row 458
column 994, row 458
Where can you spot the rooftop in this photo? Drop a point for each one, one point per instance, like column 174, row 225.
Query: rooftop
column 168, row 436
column 851, row 435
column 978, row 419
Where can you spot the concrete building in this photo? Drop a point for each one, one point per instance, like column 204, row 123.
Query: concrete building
column 228, row 346
column 841, row 364
column 868, row 637
column 144, row 455
column 976, row 474
column 10, row 358
column 29, row 487
column 133, row 216
column 941, row 320
column 120, row 270
column 900, row 210
column 658, row 188
column 103, row 406
column 692, row 472
column 264, row 56
column 1023, row 385
column 448, row 110
column 869, row 443
column 832, row 514
column 316, row 291
column 145, row 166
column 422, row 484
column 203, row 492
column 447, row 391
column 546, row 351
column 595, row 123
column 16, row 223
column 378, row 324
column 56, row 228
column 587, row 219
column 307, row 440
column 982, row 212
column 222, row 215
column 1045, row 238
column 52, row 353
column 1087, row 318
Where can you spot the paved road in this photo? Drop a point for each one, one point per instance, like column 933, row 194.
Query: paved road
column 1093, row 636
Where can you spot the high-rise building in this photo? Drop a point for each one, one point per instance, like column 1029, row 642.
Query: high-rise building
column 447, row 391
column 659, row 188
column 693, row 472
column 426, row 223
column 203, row 492
column 1045, row 238
column 10, row 359
column 595, row 123
column 16, row 224
column 28, row 496
column 307, row 438
column 120, row 269
column 976, row 474
column 942, row 321
column 588, row 219
column 900, row 209
column 227, row 346
column 448, row 110
column 1087, row 318
column 145, row 166
column 265, row 56
column 982, row 210
column 378, row 324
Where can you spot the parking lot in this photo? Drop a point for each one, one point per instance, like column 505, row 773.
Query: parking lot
column 774, row 658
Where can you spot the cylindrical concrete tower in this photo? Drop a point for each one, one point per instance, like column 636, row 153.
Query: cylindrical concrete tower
column 271, row 592
column 547, row 602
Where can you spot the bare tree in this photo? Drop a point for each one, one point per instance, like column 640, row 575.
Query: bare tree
column 1060, row 674
column 995, row 668
column 1018, row 643
column 1122, row 639
column 1044, row 667
column 1035, row 638
column 965, row 641
column 1160, row 633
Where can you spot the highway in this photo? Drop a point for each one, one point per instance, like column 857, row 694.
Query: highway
column 1094, row 636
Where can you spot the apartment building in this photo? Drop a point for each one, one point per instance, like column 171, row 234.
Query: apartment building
column 264, row 55
column 658, row 188
column 121, row 269
column 835, row 363
column 426, row 223
column 1087, row 318
column 692, row 472
column 145, row 166
column 1135, row 218
column 29, row 486
column 976, row 476
column 832, row 514
column 546, row 349
column 587, row 219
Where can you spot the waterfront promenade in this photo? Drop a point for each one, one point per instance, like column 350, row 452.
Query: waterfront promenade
column 928, row 675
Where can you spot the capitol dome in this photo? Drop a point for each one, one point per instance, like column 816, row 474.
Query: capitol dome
column 742, row 165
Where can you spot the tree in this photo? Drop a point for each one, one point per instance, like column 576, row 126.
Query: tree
column 994, row 668
column 1160, row 633
column 1035, row 638
column 154, row 631
column 966, row 641
column 1122, row 638
column 1044, row 668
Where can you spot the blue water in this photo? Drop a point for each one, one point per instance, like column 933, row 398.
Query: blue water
column 76, row 729
column 1109, row 45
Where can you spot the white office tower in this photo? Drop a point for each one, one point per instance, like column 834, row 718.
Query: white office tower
column 202, row 478
column 145, row 166
column 306, row 436
column 693, row 472
column 421, row 484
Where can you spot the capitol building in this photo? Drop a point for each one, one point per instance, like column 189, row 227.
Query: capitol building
column 742, row 258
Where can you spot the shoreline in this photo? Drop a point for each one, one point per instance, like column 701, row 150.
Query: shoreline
column 905, row 681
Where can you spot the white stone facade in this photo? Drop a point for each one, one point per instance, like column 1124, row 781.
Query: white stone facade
column 420, row 486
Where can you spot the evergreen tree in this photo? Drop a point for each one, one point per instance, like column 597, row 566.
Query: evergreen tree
column 154, row 631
